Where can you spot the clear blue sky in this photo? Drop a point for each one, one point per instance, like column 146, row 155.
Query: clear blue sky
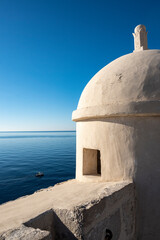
column 49, row 50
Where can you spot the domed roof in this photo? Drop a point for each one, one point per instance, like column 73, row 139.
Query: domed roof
column 130, row 85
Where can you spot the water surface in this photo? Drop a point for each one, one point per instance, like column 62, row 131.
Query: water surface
column 22, row 154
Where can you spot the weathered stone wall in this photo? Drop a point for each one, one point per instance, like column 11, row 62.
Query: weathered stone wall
column 129, row 148
column 75, row 211
column 89, row 221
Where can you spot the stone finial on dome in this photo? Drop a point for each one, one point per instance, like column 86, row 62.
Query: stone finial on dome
column 140, row 38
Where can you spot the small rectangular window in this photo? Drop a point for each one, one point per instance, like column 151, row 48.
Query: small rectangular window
column 91, row 162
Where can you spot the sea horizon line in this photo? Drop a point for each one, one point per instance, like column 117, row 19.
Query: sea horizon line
column 39, row 131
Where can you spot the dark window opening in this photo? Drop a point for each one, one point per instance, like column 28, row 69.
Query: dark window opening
column 91, row 162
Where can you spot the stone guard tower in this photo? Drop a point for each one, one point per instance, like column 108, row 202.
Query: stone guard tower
column 118, row 130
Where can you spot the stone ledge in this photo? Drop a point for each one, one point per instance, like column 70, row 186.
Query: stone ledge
column 75, row 210
column 131, row 109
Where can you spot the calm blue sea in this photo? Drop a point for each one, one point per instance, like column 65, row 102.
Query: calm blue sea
column 23, row 154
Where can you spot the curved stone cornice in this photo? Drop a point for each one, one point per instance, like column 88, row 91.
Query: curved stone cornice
column 142, row 108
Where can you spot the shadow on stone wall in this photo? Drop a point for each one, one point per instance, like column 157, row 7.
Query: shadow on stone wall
column 49, row 221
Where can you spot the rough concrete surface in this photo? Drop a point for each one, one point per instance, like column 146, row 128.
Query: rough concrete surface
column 73, row 210
column 26, row 233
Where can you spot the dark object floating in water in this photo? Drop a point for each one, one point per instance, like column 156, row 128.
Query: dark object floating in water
column 39, row 174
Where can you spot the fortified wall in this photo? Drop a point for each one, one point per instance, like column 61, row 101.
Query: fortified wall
column 116, row 191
